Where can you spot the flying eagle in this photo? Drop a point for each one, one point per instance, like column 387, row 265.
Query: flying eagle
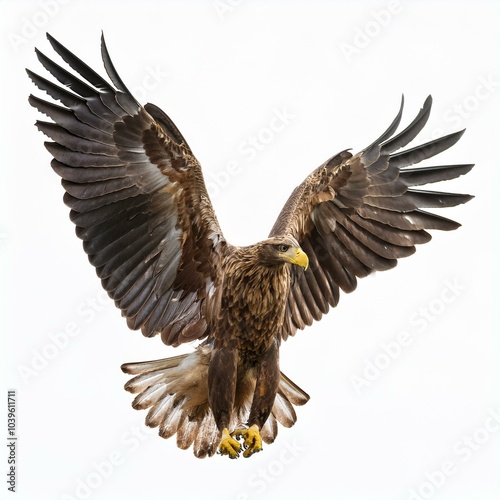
column 140, row 205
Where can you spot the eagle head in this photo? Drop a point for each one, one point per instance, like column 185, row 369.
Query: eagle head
column 275, row 251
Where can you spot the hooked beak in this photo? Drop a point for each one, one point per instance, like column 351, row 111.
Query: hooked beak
column 300, row 258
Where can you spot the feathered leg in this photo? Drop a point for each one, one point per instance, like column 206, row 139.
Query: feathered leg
column 266, row 387
column 222, row 375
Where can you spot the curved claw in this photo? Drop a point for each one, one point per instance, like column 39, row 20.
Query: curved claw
column 252, row 441
column 228, row 445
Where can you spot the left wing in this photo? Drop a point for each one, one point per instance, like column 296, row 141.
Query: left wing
column 358, row 214
column 137, row 198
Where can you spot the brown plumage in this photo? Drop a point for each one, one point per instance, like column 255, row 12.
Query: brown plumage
column 140, row 205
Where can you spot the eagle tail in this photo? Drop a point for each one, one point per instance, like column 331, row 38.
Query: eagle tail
column 176, row 393
column 288, row 395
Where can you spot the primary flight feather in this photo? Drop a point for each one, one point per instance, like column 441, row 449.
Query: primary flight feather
column 140, row 205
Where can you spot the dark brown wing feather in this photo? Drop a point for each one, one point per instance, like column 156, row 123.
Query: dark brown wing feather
column 358, row 214
column 137, row 197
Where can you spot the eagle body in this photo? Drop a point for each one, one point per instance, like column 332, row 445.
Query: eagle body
column 254, row 299
column 138, row 199
column 243, row 370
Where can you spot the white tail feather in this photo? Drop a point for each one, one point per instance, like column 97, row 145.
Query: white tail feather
column 176, row 392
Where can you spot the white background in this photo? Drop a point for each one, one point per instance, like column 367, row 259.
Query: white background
column 222, row 70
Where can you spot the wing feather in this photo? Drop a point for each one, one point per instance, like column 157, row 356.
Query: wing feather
column 131, row 182
column 359, row 214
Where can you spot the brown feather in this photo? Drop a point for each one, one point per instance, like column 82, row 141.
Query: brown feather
column 357, row 214
column 139, row 203
column 131, row 182
column 175, row 391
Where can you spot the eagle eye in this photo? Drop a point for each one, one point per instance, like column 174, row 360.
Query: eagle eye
column 283, row 248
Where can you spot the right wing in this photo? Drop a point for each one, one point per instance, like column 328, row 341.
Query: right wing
column 137, row 198
column 356, row 214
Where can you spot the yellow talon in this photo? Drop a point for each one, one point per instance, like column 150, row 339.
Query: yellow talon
column 228, row 445
column 252, row 440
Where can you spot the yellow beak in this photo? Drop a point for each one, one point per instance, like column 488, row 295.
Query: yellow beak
column 300, row 258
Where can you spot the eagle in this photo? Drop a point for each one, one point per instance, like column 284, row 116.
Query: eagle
column 139, row 203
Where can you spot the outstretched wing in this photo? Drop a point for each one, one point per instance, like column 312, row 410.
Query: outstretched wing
column 137, row 198
column 359, row 213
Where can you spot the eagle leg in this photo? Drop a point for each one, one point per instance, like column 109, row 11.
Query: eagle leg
column 252, row 440
column 229, row 445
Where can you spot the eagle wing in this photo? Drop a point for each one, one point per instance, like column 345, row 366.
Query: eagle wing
column 359, row 213
column 137, row 198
